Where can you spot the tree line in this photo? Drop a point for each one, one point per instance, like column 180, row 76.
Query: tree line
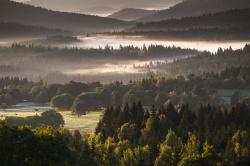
column 194, row 90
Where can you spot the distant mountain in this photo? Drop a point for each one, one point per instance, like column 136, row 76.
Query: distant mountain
column 83, row 6
column 9, row 30
column 97, row 10
column 189, row 8
column 130, row 14
column 25, row 14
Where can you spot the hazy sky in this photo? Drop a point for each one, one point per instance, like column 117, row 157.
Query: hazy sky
column 125, row 3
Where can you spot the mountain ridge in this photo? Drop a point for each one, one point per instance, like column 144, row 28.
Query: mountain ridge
column 37, row 16
column 189, row 8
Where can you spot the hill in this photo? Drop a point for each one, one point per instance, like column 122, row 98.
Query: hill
column 9, row 30
column 189, row 8
column 228, row 19
column 229, row 25
column 29, row 15
column 130, row 14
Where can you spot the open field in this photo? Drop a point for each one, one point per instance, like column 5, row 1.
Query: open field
column 85, row 123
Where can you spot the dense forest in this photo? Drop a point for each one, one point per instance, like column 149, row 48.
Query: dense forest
column 205, row 62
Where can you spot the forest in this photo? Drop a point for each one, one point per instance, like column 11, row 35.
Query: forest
column 205, row 62
column 168, row 134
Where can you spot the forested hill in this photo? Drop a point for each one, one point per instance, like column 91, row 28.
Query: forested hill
column 9, row 30
column 229, row 25
column 228, row 19
column 130, row 14
column 197, row 7
column 25, row 14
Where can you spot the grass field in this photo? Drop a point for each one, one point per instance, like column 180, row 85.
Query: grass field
column 85, row 123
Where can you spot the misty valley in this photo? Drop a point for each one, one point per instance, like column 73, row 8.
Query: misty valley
column 124, row 83
column 120, row 58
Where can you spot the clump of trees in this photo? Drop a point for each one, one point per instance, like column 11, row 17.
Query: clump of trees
column 86, row 102
column 63, row 101
column 40, row 146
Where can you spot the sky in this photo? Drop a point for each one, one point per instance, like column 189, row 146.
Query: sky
column 101, row 7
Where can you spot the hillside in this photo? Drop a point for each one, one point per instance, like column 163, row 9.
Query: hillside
column 130, row 14
column 25, row 14
column 189, row 8
column 229, row 19
column 229, row 25
column 9, row 30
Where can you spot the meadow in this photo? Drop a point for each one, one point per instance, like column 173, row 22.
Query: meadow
column 85, row 124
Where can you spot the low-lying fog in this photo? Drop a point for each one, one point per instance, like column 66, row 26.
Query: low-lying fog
column 126, row 67
column 139, row 41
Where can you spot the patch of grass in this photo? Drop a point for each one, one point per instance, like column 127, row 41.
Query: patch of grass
column 85, row 123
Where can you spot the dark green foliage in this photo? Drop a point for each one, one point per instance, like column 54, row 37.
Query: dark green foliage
column 202, row 137
column 43, row 146
column 86, row 102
